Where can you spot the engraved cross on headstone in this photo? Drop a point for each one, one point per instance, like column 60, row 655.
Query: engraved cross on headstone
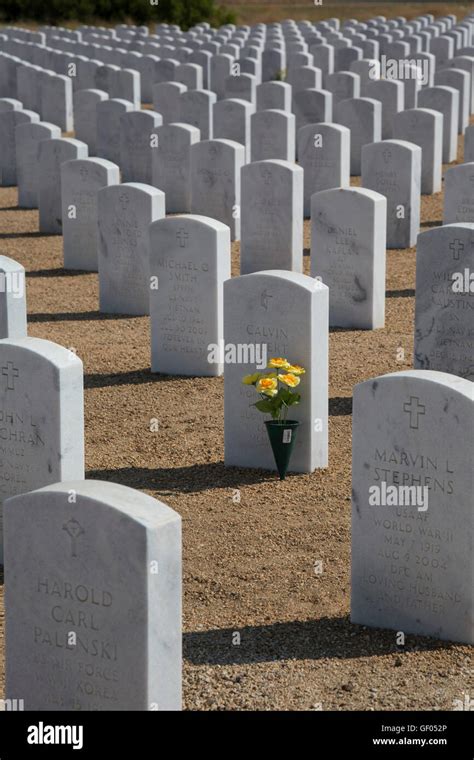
column 74, row 530
column 10, row 373
column 182, row 236
column 387, row 155
column 124, row 201
column 457, row 247
column 415, row 410
column 264, row 298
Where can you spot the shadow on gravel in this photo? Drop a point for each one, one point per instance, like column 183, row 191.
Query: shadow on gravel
column 340, row 406
column 15, row 235
column 408, row 293
column 299, row 640
column 134, row 377
column 192, row 479
column 58, row 272
column 75, row 316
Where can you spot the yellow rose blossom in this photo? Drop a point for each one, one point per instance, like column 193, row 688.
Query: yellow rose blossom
column 279, row 363
column 267, row 386
column 295, row 369
column 251, row 379
column 291, row 380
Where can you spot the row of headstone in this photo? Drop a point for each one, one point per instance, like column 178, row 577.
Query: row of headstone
column 265, row 310
column 302, row 76
column 41, row 90
column 49, row 78
column 120, row 251
column 209, row 180
column 271, row 133
column 84, row 600
column 336, row 50
column 115, row 145
column 348, row 257
column 92, row 569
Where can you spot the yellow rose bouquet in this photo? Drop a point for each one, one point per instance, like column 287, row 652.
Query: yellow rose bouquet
column 276, row 387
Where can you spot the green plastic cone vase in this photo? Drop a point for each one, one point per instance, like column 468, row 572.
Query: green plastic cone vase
column 282, row 437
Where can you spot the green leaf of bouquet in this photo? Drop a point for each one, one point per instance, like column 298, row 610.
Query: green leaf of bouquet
column 264, row 406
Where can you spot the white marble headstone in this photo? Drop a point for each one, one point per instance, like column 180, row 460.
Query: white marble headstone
column 85, row 116
column 363, row 117
column 393, row 168
column 232, row 121
column 56, row 100
column 81, row 180
column 9, row 121
column 469, row 145
column 272, row 217
column 312, row 107
column 93, row 604
column 348, row 237
column 423, row 127
column 196, row 109
column 12, row 299
column 27, row 139
column 125, row 213
column 137, row 144
column 189, row 262
column 324, row 155
column 273, row 135
column 215, row 181
column 286, row 314
column 444, row 308
column 460, row 80
column 411, row 561
column 446, row 101
column 108, row 113
column 171, row 164
column 41, row 416
column 166, row 100
column 459, row 194
column 51, row 154
column 272, row 95
column 390, row 92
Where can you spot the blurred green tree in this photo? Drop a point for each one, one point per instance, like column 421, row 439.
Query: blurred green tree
column 186, row 13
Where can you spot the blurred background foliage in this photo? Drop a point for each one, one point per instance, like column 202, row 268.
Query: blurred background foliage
column 186, row 13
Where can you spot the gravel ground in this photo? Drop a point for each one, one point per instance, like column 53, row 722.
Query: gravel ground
column 261, row 629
